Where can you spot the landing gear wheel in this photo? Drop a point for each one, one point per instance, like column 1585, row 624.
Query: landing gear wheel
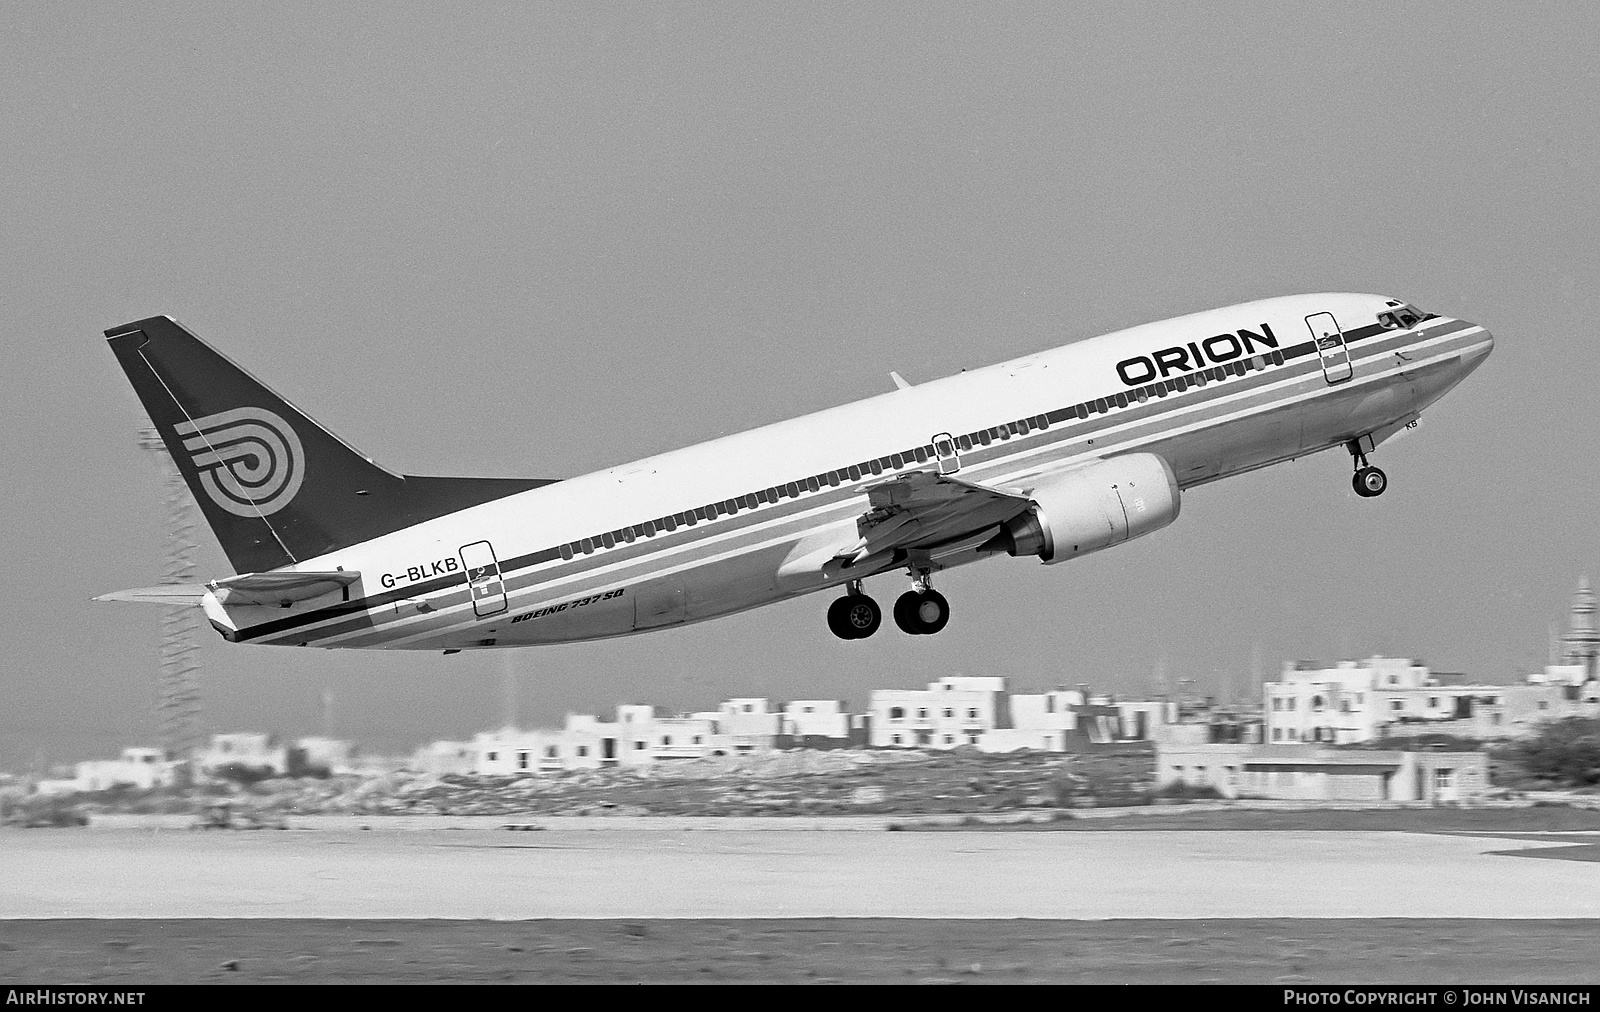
column 921, row 613
column 902, row 613
column 854, row 617
column 1369, row 482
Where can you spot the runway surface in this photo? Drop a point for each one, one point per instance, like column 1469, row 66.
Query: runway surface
column 871, row 950
column 499, row 875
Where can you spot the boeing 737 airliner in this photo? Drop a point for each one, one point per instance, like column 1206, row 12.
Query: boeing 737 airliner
column 1050, row 456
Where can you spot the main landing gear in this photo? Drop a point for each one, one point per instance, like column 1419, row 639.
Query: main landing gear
column 1368, row 481
column 854, row 616
column 920, row 611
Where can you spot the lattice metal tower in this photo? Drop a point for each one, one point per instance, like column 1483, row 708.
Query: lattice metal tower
column 178, row 691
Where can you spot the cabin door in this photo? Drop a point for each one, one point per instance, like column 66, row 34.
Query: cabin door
column 484, row 582
column 1329, row 339
column 947, row 452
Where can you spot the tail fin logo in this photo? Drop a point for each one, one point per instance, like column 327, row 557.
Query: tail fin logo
column 250, row 460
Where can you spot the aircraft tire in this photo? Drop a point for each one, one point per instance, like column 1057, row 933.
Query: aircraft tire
column 921, row 614
column 932, row 612
column 904, row 614
column 854, row 617
column 1370, row 482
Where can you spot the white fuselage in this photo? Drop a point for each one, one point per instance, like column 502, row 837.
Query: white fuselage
column 704, row 531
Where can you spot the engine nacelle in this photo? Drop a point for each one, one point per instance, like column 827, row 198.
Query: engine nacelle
column 1093, row 507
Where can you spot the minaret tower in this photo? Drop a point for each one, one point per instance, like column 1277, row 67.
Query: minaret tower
column 1581, row 644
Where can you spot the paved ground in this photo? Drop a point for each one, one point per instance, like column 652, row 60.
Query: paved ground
column 499, row 875
column 1453, row 952
column 854, row 903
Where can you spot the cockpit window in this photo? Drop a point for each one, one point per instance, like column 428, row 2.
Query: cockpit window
column 1402, row 316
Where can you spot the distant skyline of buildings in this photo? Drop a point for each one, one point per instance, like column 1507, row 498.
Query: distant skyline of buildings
column 1307, row 701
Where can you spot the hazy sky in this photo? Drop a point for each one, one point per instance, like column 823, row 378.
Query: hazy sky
column 541, row 240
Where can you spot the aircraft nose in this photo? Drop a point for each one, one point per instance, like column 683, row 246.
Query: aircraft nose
column 1474, row 356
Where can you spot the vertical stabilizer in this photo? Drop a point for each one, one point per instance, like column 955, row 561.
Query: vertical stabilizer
column 275, row 486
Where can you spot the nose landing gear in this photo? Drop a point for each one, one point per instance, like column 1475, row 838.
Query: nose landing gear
column 1368, row 481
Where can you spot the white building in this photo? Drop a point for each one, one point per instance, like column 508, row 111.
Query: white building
column 1390, row 696
column 749, row 723
column 950, row 712
column 1358, row 700
column 637, row 737
column 245, row 750
column 138, row 768
column 815, row 718
column 331, row 754
column 1559, row 674
column 1142, row 719
column 693, row 736
column 1041, row 721
column 1052, row 711
column 1305, row 772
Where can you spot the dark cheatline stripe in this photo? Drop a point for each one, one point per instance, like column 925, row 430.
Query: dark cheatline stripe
column 987, row 445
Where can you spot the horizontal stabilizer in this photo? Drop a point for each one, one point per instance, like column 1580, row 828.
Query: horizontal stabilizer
column 280, row 588
column 247, row 589
column 172, row 593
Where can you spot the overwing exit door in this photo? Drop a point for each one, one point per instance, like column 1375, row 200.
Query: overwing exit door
column 947, row 453
column 484, row 582
column 1329, row 339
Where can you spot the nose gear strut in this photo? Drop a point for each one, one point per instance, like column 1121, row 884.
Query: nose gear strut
column 1368, row 481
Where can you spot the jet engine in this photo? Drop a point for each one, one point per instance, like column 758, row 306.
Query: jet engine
column 1093, row 507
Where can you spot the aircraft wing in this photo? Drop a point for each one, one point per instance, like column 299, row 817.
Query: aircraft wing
column 924, row 511
column 920, row 517
column 247, row 589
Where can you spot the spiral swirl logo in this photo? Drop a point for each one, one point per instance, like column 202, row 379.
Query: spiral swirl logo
column 250, row 460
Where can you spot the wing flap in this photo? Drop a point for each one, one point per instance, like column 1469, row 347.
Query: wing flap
column 924, row 510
